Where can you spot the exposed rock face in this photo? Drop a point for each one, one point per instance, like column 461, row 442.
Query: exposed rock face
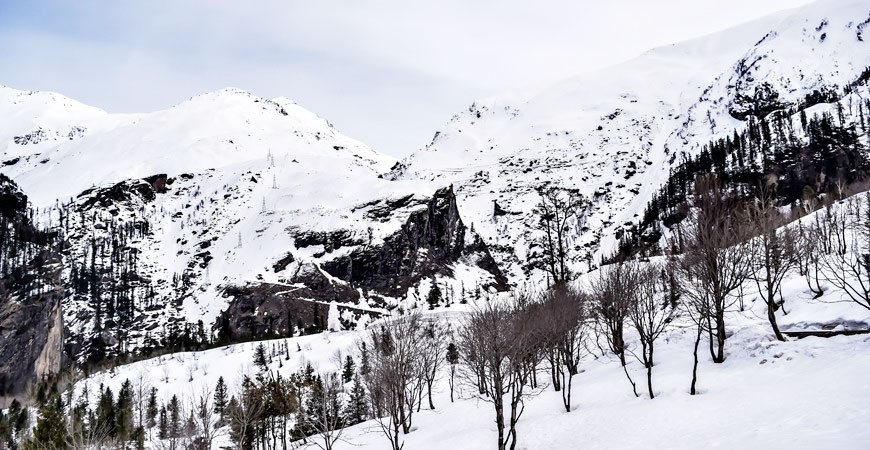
column 427, row 244
column 430, row 241
column 31, row 292
column 260, row 310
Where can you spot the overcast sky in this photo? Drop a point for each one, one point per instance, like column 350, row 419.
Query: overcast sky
column 385, row 72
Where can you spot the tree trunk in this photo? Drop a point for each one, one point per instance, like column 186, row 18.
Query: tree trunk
column 633, row 385
column 429, row 392
column 499, row 423
column 649, row 366
column 553, row 375
column 772, row 317
column 692, row 391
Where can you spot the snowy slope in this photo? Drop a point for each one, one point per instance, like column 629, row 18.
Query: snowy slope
column 36, row 121
column 214, row 130
column 614, row 134
column 802, row 394
column 180, row 205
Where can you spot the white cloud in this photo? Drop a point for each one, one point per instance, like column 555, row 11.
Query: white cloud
column 385, row 72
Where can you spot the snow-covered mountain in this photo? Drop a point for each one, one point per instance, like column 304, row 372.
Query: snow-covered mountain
column 231, row 216
column 614, row 135
column 228, row 203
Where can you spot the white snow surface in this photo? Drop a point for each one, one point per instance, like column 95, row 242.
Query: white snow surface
column 260, row 167
column 614, row 134
column 802, row 394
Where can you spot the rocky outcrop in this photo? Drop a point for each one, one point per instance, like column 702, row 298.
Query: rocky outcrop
column 144, row 189
column 432, row 239
column 265, row 309
column 429, row 242
column 31, row 294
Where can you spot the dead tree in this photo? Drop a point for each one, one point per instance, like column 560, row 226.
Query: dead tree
column 774, row 251
column 714, row 264
column 847, row 267
column 650, row 313
column 555, row 210
column 611, row 293
column 496, row 350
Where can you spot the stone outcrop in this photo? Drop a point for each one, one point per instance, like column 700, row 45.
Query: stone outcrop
column 429, row 242
column 31, row 294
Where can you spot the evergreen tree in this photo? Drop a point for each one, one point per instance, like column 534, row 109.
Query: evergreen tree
column 124, row 412
column 50, row 431
column 151, row 409
column 174, row 418
column 349, row 369
column 260, row 359
column 163, row 424
column 434, row 297
column 357, row 409
column 452, row 357
column 220, row 398
column 105, row 414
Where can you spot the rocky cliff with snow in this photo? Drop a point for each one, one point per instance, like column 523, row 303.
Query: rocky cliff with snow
column 231, row 216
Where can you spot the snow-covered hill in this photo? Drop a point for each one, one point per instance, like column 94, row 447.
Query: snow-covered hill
column 178, row 215
column 614, row 135
column 224, row 129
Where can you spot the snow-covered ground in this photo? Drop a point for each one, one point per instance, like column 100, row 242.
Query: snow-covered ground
column 613, row 135
column 802, row 394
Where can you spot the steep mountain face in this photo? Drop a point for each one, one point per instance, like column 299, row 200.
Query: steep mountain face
column 614, row 136
column 31, row 291
column 231, row 216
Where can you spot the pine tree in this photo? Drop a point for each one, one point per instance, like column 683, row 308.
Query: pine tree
column 220, row 398
column 349, row 369
column 124, row 412
column 434, row 297
column 260, row 358
column 50, row 431
column 357, row 410
column 174, row 421
column 365, row 366
column 106, row 412
column 151, row 410
column 163, row 424
column 452, row 357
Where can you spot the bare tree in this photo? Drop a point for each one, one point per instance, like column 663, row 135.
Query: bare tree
column 207, row 422
column 496, row 351
column 435, row 337
column 142, row 389
column 244, row 412
column 847, row 267
column 555, row 211
column 611, row 294
column 714, row 265
column 809, row 256
column 560, row 323
column 650, row 314
column 774, row 251
column 394, row 352
column 324, row 412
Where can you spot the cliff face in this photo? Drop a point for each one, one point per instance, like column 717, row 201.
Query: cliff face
column 427, row 244
column 430, row 241
column 31, row 294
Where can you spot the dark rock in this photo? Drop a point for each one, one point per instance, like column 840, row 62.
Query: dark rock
column 399, row 263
